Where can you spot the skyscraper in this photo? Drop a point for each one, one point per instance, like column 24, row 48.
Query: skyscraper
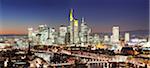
column 71, row 18
column 84, row 31
column 73, row 28
column 111, row 38
column 115, row 32
column 53, row 35
column 127, row 37
column 62, row 34
column 62, row 31
column 106, row 38
column 72, row 34
column 76, row 31
column 96, row 39
column 30, row 31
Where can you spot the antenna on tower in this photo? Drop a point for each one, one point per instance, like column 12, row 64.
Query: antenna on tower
column 82, row 20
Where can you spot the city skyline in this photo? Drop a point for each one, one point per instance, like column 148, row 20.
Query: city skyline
column 17, row 16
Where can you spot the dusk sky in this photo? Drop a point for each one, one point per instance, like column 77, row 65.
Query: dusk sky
column 17, row 15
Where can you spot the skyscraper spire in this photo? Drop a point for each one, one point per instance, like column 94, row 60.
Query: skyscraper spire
column 71, row 15
column 82, row 20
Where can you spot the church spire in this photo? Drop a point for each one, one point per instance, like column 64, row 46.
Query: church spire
column 71, row 15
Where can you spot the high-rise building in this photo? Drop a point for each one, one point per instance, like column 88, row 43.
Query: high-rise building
column 72, row 34
column 62, row 31
column 106, row 38
column 71, row 18
column 84, row 27
column 84, row 32
column 88, row 35
column 111, row 38
column 74, row 29
column 30, row 31
column 53, row 35
column 43, row 30
column 115, row 32
column 42, row 27
column 71, row 28
column 62, row 34
column 127, row 37
column 96, row 39
column 90, row 39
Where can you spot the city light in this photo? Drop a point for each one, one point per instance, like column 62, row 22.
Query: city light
column 96, row 35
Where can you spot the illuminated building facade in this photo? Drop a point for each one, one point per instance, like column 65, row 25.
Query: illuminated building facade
column 96, row 39
column 84, row 32
column 30, row 32
column 62, row 34
column 127, row 37
column 115, row 34
column 74, row 29
column 71, row 27
column 106, row 38
column 75, row 33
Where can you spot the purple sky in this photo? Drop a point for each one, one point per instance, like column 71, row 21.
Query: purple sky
column 17, row 15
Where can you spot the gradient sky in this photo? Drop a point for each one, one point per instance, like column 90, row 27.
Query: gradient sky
column 17, row 15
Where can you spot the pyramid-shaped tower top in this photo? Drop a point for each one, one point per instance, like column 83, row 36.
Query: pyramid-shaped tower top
column 71, row 15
